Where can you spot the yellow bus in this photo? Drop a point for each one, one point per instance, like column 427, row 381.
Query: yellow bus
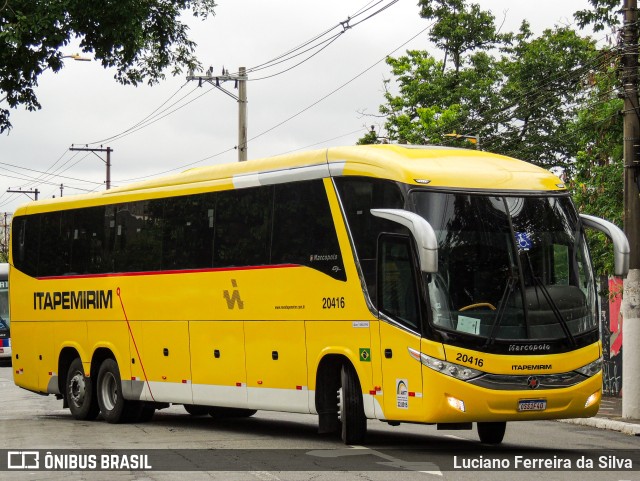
column 399, row 283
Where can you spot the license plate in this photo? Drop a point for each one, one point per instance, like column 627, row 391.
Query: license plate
column 532, row 405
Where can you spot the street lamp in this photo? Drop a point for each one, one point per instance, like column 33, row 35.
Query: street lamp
column 74, row 56
column 474, row 139
column 78, row 57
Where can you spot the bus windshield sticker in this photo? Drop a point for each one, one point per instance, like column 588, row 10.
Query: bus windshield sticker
column 468, row 324
column 523, row 240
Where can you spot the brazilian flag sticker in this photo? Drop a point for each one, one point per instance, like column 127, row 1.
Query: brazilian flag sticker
column 365, row 354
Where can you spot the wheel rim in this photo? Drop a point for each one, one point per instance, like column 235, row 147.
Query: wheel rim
column 77, row 389
column 340, row 418
column 109, row 391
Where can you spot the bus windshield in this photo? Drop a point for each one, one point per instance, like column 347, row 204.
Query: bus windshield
column 511, row 268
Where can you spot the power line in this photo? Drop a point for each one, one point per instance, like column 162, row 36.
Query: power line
column 311, row 44
column 134, row 127
column 35, row 179
column 337, row 89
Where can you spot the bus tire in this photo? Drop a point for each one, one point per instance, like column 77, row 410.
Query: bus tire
column 491, row 432
column 114, row 408
column 196, row 410
column 81, row 396
column 217, row 412
column 351, row 408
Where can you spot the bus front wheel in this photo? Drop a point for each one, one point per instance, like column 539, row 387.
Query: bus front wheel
column 80, row 393
column 113, row 406
column 351, row 408
column 491, row 433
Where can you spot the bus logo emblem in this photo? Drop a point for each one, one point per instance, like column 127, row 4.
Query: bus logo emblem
column 234, row 298
column 533, row 382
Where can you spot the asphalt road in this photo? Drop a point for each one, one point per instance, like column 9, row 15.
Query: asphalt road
column 276, row 446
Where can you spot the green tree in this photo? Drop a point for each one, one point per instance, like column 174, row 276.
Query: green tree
column 602, row 14
column 597, row 175
column 545, row 79
column 517, row 92
column 140, row 39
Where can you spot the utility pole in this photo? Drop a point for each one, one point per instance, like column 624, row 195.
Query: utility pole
column 240, row 81
column 242, row 114
column 5, row 245
column 35, row 192
column 93, row 150
column 631, row 292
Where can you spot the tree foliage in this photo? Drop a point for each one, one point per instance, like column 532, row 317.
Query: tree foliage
column 140, row 39
column 550, row 99
column 517, row 92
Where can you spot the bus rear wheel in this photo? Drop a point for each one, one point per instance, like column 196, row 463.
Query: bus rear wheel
column 491, row 433
column 113, row 406
column 351, row 408
column 80, row 393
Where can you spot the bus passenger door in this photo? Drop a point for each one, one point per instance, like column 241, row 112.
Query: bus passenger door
column 399, row 329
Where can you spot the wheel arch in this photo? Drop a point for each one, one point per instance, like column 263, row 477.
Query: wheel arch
column 328, row 382
column 98, row 358
column 65, row 358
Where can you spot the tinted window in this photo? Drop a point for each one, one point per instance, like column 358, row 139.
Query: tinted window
column 53, row 246
column 242, row 231
column 223, row 229
column 138, row 236
column 303, row 229
column 398, row 297
column 359, row 196
column 86, row 240
column 188, row 232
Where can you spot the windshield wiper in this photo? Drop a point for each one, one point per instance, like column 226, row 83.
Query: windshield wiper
column 552, row 304
column 508, row 289
column 555, row 310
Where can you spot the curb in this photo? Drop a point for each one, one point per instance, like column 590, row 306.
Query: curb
column 602, row 423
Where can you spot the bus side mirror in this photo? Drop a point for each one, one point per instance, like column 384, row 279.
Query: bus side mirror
column 422, row 232
column 621, row 248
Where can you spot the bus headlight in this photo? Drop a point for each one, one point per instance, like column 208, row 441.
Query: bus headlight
column 457, row 371
column 591, row 369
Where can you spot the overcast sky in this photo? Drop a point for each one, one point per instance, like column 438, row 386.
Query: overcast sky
column 83, row 104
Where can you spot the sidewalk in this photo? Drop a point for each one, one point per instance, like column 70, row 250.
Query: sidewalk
column 609, row 417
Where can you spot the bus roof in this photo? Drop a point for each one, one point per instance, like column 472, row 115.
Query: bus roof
column 433, row 166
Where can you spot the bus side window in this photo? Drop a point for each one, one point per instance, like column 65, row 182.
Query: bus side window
column 358, row 196
column 397, row 288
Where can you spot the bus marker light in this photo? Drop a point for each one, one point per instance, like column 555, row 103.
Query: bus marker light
column 456, row 403
column 592, row 399
column 259, row 382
